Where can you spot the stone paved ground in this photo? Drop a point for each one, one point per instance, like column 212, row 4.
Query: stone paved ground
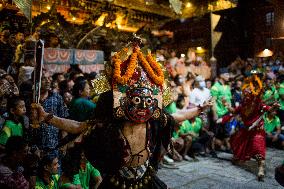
column 211, row 173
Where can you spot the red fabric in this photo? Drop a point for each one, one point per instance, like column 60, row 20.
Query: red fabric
column 226, row 118
column 247, row 144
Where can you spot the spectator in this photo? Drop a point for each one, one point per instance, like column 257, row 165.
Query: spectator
column 208, row 84
column 11, row 175
column 222, row 96
column 70, row 167
column 173, row 60
column 48, row 172
column 88, row 173
column 281, row 100
column 65, row 86
column 6, row 50
column 271, row 94
column 53, row 41
column 273, row 128
column 81, row 108
column 200, row 94
column 237, row 93
column 48, row 135
column 67, row 97
column 13, row 126
column 8, row 88
column 58, row 77
column 199, row 143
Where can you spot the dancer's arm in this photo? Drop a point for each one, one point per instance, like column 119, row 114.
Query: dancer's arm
column 68, row 125
column 183, row 115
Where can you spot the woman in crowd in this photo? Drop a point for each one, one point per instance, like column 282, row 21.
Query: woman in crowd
column 81, row 108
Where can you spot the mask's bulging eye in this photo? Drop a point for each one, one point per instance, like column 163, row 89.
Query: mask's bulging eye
column 149, row 101
column 136, row 100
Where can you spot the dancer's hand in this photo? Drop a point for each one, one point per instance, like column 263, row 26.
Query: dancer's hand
column 38, row 115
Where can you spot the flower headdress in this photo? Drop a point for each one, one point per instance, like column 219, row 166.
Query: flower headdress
column 133, row 73
column 253, row 85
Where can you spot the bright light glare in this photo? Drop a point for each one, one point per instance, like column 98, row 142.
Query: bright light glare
column 188, row 5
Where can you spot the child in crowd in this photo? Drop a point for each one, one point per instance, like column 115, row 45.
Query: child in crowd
column 13, row 126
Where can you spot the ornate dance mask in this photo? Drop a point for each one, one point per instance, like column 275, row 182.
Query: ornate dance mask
column 137, row 86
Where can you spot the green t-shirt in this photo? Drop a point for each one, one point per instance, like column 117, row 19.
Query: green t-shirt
column 281, row 92
column 184, row 128
column 196, row 126
column 53, row 184
column 221, row 91
column 171, row 108
column 175, row 135
column 81, row 109
column 271, row 125
column 270, row 95
column 10, row 129
column 85, row 176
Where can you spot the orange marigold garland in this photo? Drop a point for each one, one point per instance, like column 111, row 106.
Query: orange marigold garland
column 251, row 86
column 256, row 92
column 149, row 66
column 129, row 71
column 157, row 78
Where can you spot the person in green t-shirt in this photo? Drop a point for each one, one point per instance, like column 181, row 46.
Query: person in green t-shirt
column 272, row 128
column 200, row 139
column 87, row 173
column 271, row 94
column 281, row 102
column 48, row 177
column 70, row 167
column 13, row 126
column 222, row 96
column 181, row 139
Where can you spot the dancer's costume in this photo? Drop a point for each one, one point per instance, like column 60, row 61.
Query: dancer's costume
column 249, row 141
column 136, row 93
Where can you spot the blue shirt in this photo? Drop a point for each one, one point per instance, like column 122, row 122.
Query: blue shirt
column 48, row 134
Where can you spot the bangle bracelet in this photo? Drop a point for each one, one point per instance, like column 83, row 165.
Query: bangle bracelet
column 48, row 118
